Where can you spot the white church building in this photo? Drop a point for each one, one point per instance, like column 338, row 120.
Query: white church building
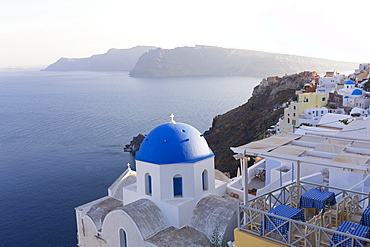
column 174, row 198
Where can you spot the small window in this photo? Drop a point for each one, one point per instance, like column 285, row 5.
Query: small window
column 323, row 98
column 177, row 186
column 288, row 120
column 293, row 122
column 122, row 238
column 294, row 107
column 148, row 184
column 294, row 114
column 205, row 180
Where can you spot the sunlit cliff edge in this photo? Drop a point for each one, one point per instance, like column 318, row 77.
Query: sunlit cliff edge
column 216, row 61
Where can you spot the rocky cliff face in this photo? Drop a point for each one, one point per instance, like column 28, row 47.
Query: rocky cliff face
column 249, row 122
column 134, row 145
column 113, row 60
column 206, row 60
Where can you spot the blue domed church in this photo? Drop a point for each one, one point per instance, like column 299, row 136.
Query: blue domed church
column 174, row 198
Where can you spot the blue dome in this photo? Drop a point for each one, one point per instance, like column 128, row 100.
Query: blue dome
column 349, row 82
column 357, row 92
column 174, row 143
column 346, row 97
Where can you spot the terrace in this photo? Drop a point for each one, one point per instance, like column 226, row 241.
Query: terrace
column 319, row 227
column 285, row 214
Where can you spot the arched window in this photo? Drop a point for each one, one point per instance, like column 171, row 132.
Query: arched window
column 122, row 238
column 177, row 186
column 205, row 180
column 148, row 184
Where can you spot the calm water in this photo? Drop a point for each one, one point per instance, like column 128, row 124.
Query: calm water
column 62, row 134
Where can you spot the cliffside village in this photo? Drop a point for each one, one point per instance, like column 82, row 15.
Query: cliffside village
column 307, row 184
column 331, row 102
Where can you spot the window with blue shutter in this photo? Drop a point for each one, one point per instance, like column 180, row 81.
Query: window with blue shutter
column 148, row 184
column 122, row 238
column 177, row 186
column 205, row 180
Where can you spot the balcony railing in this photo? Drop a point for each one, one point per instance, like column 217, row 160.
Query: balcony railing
column 299, row 233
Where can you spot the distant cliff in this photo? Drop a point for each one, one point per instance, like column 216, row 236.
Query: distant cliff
column 207, row 60
column 249, row 122
column 113, row 60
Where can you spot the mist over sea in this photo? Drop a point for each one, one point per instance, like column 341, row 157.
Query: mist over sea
column 62, row 136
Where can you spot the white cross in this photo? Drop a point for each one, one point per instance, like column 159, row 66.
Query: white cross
column 171, row 117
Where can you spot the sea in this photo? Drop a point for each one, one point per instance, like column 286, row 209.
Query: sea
column 62, row 136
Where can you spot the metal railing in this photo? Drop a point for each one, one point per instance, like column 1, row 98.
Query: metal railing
column 297, row 233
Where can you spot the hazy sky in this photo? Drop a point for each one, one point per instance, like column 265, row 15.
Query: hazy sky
column 39, row 32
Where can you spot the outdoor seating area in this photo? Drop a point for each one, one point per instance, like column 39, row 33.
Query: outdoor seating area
column 309, row 215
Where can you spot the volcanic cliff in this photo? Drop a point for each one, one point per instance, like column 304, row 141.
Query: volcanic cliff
column 250, row 121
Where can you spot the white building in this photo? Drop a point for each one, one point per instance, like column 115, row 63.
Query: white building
column 353, row 96
column 295, row 112
column 356, row 111
column 175, row 197
column 329, row 82
column 350, row 85
column 356, row 99
column 364, row 66
column 314, row 113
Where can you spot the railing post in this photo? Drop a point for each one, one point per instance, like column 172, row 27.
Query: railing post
column 290, row 232
column 298, row 171
column 245, row 175
column 263, row 224
column 284, row 198
column 245, row 185
column 239, row 216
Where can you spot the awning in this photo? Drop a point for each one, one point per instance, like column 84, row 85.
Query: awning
column 332, row 152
